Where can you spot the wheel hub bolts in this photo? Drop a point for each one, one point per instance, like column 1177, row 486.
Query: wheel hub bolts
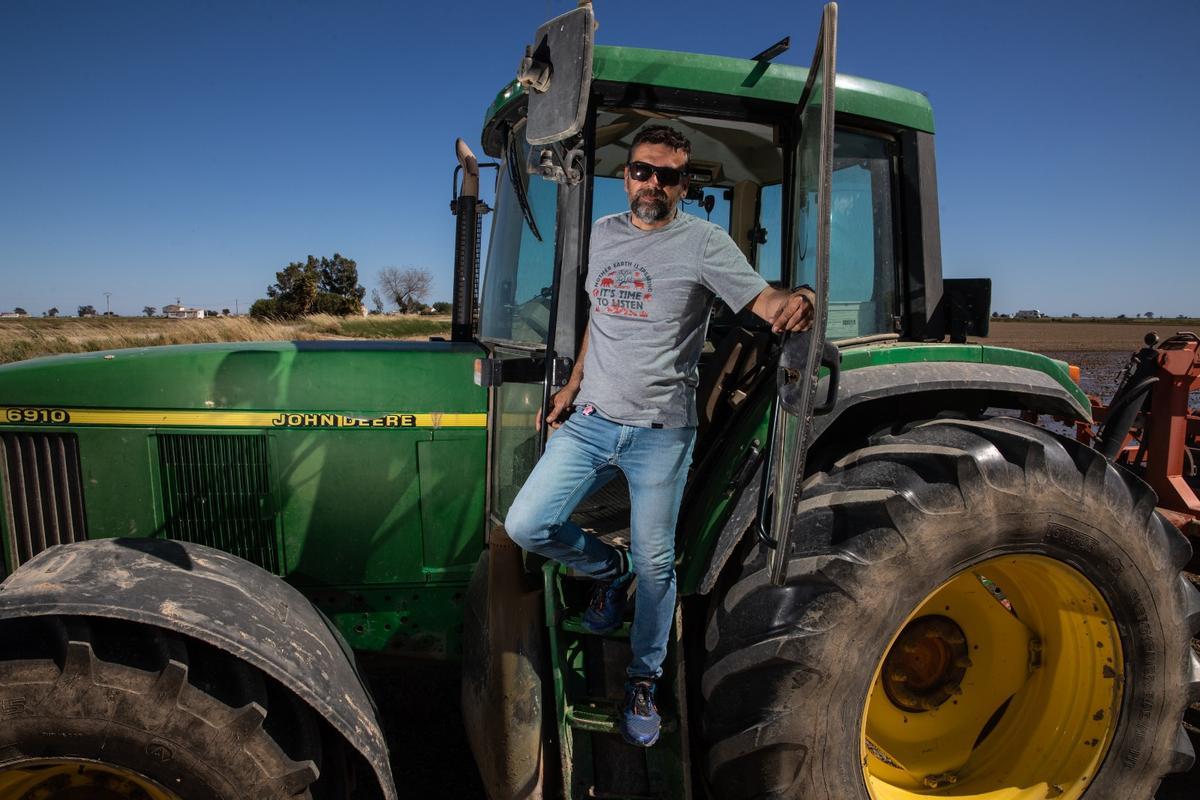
column 926, row 665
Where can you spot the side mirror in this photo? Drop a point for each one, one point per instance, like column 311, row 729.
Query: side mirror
column 968, row 305
column 557, row 75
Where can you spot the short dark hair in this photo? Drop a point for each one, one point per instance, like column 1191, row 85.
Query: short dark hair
column 663, row 134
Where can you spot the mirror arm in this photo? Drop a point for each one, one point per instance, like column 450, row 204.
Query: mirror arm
column 555, row 162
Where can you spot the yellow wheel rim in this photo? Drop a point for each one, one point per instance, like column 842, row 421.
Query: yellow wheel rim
column 1005, row 684
column 77, row 779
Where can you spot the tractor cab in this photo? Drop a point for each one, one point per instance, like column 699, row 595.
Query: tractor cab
column 810, row 196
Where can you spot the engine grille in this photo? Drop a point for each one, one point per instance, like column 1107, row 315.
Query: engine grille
column 216, row 491
column 43, row 497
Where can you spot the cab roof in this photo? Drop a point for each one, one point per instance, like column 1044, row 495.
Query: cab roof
column 738, row 77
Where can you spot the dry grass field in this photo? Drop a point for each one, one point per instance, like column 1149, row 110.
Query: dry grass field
column 1052, row 335
column 36, row 336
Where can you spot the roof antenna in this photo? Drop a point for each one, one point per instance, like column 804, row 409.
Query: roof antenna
column 776, row 49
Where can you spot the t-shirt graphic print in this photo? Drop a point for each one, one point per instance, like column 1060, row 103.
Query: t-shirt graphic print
column 624, row 289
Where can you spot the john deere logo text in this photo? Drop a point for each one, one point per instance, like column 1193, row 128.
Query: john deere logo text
column 340, row 421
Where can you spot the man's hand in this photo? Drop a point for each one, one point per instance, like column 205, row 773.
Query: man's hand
column 560, row 401
column 786, row 311
column 560, row 407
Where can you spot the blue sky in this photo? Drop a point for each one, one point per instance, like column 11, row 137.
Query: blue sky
column 169, row 149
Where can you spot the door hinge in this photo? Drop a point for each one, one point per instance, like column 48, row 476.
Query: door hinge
column 498, row 371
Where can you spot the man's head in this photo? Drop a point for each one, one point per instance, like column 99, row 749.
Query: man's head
column 656, row 174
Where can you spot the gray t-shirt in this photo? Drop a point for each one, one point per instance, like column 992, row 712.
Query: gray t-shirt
column 650, row 294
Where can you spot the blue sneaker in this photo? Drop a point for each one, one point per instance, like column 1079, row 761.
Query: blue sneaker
column 607, row 606
column 640, row 722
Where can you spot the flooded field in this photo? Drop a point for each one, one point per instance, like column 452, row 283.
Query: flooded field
column 1100, row 371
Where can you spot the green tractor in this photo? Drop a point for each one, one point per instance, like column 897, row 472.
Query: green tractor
column 891, row 585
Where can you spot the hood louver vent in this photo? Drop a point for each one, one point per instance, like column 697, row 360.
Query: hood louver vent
column 43, row 498
column 216, row 492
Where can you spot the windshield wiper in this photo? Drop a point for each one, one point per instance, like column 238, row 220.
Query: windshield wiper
column 514, row 175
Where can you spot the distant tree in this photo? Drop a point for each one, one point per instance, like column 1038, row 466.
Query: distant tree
column 109, row 314
column 1149, row 315
column 442, row 307
column 87, row 311
column 1121, row 316
column 327, row 303
column 224, row 312
column 376, row 301
column 325, row 285
column 211, row 312
column 339, row 277
column 52, row 312
column 265, row 309
column 149, row 311
column 295, row 288
column 21, row 311
column 407, row 288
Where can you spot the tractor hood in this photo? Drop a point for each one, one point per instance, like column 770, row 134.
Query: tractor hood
column 304, row 376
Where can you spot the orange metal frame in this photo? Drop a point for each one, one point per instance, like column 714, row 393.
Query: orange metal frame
column 1165, row 440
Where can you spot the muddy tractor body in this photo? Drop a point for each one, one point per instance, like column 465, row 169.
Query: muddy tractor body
column 891, row 586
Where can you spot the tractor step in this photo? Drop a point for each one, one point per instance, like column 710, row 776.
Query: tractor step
column 589, row 686
column 573, row 623
column 602, row 715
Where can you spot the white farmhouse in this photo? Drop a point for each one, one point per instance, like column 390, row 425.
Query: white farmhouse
column 177, row 311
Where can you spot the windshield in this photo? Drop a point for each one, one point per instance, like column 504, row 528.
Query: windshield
column 519, row 273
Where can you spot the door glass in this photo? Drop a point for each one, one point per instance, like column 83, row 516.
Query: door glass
column 862, row 249
column 862, row 266
column 515, row 316
column 514, row 439
column 519, row 273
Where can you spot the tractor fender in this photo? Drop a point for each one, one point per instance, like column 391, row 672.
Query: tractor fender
column 949, row 384
column 216, row 598
column 875, row 393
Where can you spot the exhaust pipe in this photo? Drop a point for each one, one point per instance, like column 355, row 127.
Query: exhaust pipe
column 467, row 230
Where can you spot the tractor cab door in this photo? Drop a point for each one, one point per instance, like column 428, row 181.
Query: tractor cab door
column 527, row 315
column 806, row 261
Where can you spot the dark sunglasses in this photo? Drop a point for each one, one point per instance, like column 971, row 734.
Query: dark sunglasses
column 667, row 176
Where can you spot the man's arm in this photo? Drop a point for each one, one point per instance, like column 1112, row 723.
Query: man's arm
column 786, row 311
column 560, row 401
column 727, row 273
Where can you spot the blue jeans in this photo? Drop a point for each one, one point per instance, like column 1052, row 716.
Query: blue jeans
column 583, row 455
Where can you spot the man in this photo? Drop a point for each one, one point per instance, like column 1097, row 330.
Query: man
column 652, row 275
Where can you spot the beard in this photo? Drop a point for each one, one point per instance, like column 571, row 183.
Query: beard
column 650, row 205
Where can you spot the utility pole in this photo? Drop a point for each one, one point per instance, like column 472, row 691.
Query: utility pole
column 107, row 310
column 237, row 312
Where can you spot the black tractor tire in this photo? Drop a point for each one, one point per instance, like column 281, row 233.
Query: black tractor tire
column 789, row 669
column 147, row 713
